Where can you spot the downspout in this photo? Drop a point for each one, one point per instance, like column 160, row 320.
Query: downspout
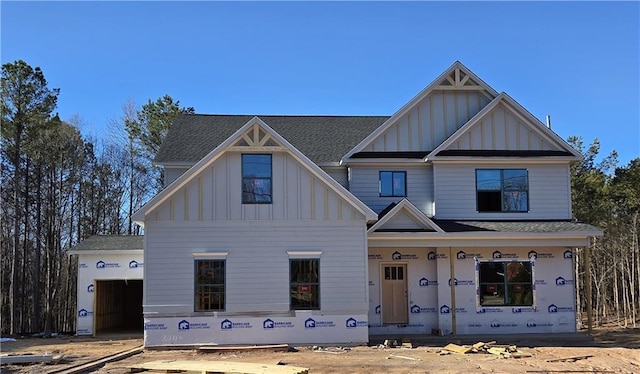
column 453, row 291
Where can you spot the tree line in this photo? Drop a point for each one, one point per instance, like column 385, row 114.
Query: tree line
column 60, row 187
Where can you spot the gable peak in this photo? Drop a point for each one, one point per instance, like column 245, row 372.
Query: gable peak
column 255, row 136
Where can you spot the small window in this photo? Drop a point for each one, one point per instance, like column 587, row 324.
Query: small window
column 305, row 284
column 256, row 179
column 209, row 285
column 502, row 190
column 506, row 283
column 393, row 183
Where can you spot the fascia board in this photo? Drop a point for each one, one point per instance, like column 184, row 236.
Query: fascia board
column 501, row 160
column 384, row 161
column 482, row 236
column 105, row 252
column 411, row 103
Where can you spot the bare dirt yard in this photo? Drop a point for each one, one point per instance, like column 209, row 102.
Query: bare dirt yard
column 612, row 350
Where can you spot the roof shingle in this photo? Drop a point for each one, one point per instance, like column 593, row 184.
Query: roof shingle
column 321, row 138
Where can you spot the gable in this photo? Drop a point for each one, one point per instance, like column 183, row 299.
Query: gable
column 212, row 188
column 437, row 112
column 500, row 127
column 405, row 216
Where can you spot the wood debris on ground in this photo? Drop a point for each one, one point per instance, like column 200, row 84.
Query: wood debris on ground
column 171, row 366
column 570, row 359
column 504, row 351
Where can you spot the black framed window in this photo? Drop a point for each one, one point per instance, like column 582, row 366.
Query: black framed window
column 256, row 179
column 393, row 183
column 502, row 190
column 506, row 283
column 304, row 285
column 209, row 285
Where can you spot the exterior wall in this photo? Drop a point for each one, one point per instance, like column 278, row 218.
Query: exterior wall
column 171, row 174
column 429, row 292
column 502, row 129
column 216, row 194
column 549, row 192
column 340, row 174
column 422, row 296
column 364, row 181
column 554, row 297
column 430, row 122
column 101, row 267
column 257, row 281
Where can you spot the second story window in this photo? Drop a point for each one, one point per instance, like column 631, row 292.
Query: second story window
column 256, row 179
column 502, row 190
column 393, row 183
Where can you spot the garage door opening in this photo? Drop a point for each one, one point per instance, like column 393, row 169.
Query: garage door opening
column 118, row 307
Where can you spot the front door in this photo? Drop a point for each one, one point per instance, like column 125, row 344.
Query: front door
column 394, row 293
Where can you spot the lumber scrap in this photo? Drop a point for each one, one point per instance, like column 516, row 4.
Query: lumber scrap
column 88, row 366
column 227, row 348
column 404, row 357
column 457, row 348
column 570, row 359
column 216, row 367
column 26, row 359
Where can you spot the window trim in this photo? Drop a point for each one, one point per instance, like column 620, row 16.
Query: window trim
column 212, row 257
column 270, row 179
column 393, row 193
column 502, row 191
column 532, row 261
column 318, row 283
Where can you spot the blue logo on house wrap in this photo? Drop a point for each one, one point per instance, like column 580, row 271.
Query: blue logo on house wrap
column 560, row 281
column 310, row 323
column 445, row 309
column 84, row 313
column 133, row 264
column 83, row 266
column 186, row 325
column 490, row 310
column 523, row 310
column 555, row 309
column 352, row 323
column 461, row 255
column 271, row 324
column 183, row 325
column 415, row 309
column 90, row 288
column 228, row 325
column 567, row 254
column 377, row 309
column 103, row 265
column 399, row 256
column 431, row 255
column 461, row 282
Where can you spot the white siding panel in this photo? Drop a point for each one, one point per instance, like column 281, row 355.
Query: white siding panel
column 257, row 265
column 549, row 192
column 297, row 194
column 402, row 221
column 364, row 185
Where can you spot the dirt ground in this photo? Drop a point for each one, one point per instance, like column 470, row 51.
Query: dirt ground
column 612, row 350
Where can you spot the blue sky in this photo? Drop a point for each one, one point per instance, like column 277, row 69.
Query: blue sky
column 576, row 61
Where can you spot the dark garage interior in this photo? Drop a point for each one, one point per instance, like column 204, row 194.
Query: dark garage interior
column 118, row 306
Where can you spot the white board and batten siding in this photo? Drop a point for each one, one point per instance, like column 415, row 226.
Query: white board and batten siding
column 549, row 191
column 364, row 184
column 432, row 120
column 216, row 194
column 501, row 129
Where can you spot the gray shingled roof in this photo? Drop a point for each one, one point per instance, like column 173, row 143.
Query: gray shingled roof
column 515, row 226
column 321, row 138
column 110, row 243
